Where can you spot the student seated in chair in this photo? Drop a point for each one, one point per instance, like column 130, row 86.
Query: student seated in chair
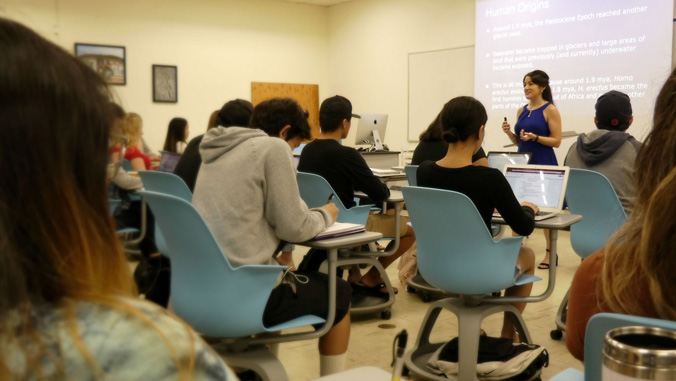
column 633, row 273
column 463, row 121
column 247, row 193
column 236, row 112
column 346, row 171
column 609, row 150
column 69, row 309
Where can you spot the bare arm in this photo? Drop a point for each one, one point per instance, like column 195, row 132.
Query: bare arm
column 483, row 162
column 137, row 164
column 506, row 128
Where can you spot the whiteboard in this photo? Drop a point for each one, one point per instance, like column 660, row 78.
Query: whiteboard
column 434, row 78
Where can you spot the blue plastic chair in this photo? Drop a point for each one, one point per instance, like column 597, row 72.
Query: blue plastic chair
column 594, row 340
column 457, row 254
column 166, row 183
column 315, row 191
column 126, row 165
column 206, row 291
column 591, row 195
column 411, row 177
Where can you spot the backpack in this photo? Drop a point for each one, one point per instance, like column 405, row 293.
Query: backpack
column 153, row 279
column 498, row 359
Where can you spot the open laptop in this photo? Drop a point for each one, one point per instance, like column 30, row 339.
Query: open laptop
column 543, row 185
column 168, row 161
column 498, row 159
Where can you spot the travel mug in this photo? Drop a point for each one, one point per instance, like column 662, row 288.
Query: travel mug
column 639, row 353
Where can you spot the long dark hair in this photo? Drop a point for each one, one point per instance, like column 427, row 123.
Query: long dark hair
column 433, row 131
column 461, row 118
column 175, row 134
column 57, row 240
column 541, row 79
column 58, row 244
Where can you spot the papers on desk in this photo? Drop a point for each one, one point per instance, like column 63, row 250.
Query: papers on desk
column 339, row 229
column 385, row 172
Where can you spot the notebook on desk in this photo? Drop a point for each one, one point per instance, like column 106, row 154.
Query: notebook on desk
column 543, row 185
column 339, row 229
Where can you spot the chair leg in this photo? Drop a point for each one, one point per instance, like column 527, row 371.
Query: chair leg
column 428, row 324
column 259, row 360
column 468, row 345
column 558, row 320
column 520, row 326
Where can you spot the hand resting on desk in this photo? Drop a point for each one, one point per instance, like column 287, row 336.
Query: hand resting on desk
column 532, row 206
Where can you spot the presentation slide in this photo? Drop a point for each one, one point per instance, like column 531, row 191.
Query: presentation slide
column 586, row 47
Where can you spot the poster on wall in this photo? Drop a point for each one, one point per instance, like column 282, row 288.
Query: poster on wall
column 109, row 61
column 165, row 83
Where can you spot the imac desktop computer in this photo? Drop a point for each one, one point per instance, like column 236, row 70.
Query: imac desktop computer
column 371, row 131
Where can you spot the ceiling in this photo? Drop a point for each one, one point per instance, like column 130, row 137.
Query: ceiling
column 323, row 3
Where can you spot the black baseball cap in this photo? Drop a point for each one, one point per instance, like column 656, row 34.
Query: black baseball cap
column 613, row 111
column 337, row 107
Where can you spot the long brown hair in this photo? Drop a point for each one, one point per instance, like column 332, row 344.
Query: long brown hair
column 57, row 241
column 175, row 134
column 642, row 254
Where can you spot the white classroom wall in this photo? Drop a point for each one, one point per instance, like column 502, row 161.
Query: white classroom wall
column 219, row 46
column 369, row 43
column 358, row 49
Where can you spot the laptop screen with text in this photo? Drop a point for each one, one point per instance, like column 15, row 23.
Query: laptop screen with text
column 543, row 187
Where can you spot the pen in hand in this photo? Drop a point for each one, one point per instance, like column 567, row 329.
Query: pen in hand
column 330, row 198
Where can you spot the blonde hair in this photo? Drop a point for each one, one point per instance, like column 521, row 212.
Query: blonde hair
column 132, row 129
column 641, row 255
column 58, row 244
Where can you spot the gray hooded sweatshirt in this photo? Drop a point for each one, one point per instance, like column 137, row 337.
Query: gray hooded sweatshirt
column 611, row 153
column 246, row 190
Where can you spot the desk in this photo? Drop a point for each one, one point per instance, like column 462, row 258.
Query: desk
column 396, row 198
column 364, row 373
column 554, row 224
column 332, row 245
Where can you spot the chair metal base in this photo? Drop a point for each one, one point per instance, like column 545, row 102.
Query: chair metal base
column 383, row 305
column 560, row 319
column 469, row 324
column 258, row 359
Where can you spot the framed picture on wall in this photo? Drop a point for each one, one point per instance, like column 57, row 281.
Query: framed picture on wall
column 109, row 61
column 165, row 83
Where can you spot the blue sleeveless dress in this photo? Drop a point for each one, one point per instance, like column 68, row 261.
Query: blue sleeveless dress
column 534, row 121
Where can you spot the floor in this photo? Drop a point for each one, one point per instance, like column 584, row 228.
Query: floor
column 371, row 337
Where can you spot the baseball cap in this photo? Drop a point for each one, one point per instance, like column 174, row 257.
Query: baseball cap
column 613, row 110
column 337, row 107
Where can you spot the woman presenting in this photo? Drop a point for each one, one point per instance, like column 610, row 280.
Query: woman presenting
column 538, row 127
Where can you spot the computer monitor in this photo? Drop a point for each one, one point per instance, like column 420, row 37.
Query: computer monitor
column 369, row 123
